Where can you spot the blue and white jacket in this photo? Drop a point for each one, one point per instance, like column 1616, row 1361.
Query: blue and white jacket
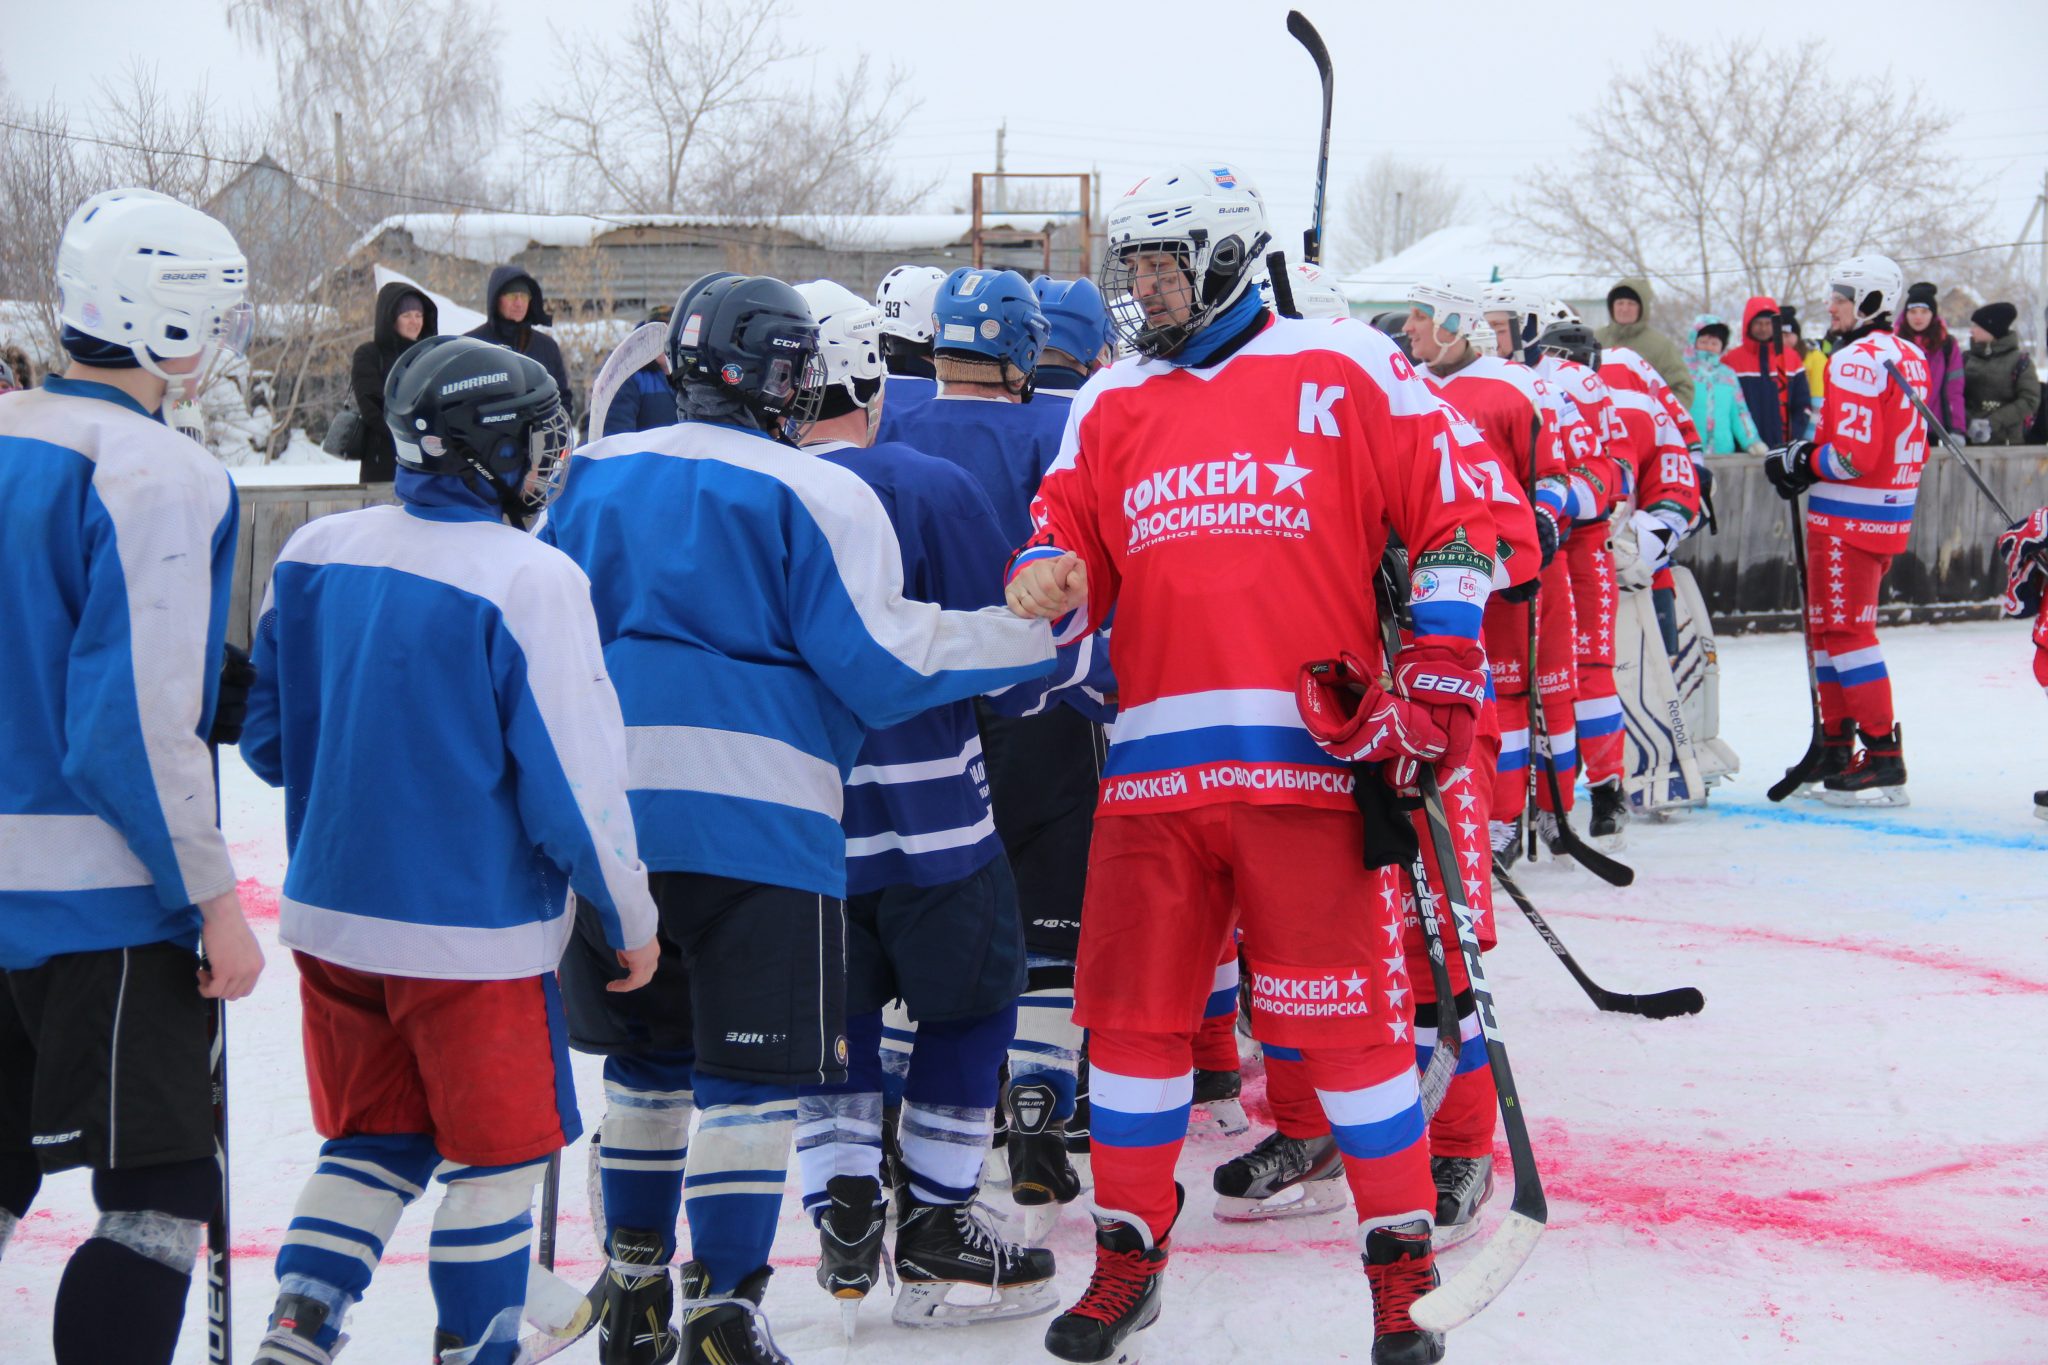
column 756, row 621
column 432, row 697
column 117, row 547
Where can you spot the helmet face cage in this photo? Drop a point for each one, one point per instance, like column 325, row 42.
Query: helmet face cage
column 806, row 398
column 1223, row 268
column 548, row 442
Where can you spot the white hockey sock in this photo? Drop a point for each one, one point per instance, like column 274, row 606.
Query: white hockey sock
column 943, row 1147
column 839, row 1134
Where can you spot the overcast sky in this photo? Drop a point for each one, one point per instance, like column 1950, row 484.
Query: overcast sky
column 1119, row 86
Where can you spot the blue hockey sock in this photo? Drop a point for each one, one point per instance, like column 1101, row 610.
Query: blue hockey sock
column 732, row 1186
column 839, row 1127
column 477, row 1257
column 1047, row 1047
column 643, row 1141
column 949, row 1104
column 346, row 1213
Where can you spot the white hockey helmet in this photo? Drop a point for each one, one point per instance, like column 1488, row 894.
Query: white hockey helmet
column 849, row 338
column 1209, row 215
column 139, row 270
column 1455, row 307
column 1314, row 295
column 905, row 299
column 1553, row 312
column 1871, row 283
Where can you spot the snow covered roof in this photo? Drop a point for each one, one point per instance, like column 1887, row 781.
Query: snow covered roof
column 1468, row 252
column 487, row 238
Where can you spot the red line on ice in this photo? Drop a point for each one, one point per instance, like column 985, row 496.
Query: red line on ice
column 259, row 902
column 1997, row 978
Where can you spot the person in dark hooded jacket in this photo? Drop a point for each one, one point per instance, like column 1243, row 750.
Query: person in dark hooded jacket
column 404, row 314
column 1772, row 374
column 1628, row 304
column 514, row 309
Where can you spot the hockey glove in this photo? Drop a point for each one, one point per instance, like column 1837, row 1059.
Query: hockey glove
column 1657, row 535
column 2023, row 550
column 231, row 706
column 1790, row 469
column 1549, row 535
column 1518, row 593
column 1429, row 715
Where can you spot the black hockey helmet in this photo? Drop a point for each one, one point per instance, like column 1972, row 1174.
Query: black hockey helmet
column 471, row 409
column 1573, row 341
column 745, row 347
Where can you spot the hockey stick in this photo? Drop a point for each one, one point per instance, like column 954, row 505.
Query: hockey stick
column 1800, row 773
column 1282, row 284
column 220, row 1297
column 1947, row 439
column 1305, row 33
column 1657, row 1005
column 550, row 1200
column 641, row 348
column 1460, row 1298
column 1568, row 842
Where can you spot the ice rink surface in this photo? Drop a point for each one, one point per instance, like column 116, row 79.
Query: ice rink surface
column 1841, row 1159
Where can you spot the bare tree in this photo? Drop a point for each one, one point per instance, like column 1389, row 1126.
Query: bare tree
column 413, row 82
column 1747, row 168
column 1395, row 204
column 683, row 112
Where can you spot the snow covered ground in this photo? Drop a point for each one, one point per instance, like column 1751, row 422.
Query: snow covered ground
column 1840, row 1160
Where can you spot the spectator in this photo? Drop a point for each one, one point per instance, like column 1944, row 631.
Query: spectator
column 1813, row 359
column 1628, row 304
column 2001, row 391
column 1920, row 324
column 645, row 400
column 1718, row 410
column 1773, row 378
column 404, row 315
column 15, row 371
column 514, row 308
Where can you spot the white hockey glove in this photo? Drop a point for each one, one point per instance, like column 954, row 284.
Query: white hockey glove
column 1657, row 535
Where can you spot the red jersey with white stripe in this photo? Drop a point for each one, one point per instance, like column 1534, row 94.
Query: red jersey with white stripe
column 1661, row 472
column 1661, row 391
column 1871, row 445
column 1595, row 443
column 1233, row 517
column 1499, row 399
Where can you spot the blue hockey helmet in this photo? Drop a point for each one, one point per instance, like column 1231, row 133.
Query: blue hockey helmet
column 989, row 315
column 1075, row 312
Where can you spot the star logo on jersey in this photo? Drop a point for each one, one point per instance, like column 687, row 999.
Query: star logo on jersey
column 1288, row 475
column 1354, row 984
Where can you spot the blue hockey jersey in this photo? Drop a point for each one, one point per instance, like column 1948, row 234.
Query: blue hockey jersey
column 756, row 621
column 1007, row 447
column 902, row 394
column 432, row 697
column 117, row 548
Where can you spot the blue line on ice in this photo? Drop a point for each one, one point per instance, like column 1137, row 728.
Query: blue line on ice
column 1870, row 825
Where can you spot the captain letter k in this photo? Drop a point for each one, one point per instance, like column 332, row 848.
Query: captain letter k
column 1316, row 417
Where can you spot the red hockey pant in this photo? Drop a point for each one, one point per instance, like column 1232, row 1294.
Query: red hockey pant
column 1598, row 708
column 1507, row 654
column 1164, row 894
column 1842, row 583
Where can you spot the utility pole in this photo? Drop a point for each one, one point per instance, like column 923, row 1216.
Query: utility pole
column 1002, row 186
column 1400, row 237
column 340, row 164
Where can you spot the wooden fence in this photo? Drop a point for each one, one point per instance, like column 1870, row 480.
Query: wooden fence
column 1745, row 571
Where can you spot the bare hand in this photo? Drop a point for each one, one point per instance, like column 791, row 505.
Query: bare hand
column 233, row 958
column 1048, row 588
column 639, row 964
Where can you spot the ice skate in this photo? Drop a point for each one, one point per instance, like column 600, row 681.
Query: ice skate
column 850, row 1243
column 726, row 1329
column 1217, row 1106
column 2041, row 805
column 1837, row 747
column 636, row 1303
column 1505, row 836
column 1875, row 778
column 941, row 1248
column 1122, row 1298
column 1282, row 1177
column 1463, row 1185
column 1400, row 1266
column 1609, row 816
column 294, row 1323
column 1042, row 1175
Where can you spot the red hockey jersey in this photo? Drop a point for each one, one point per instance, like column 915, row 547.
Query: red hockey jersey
column 1661, row 470
column 1871, row 445
column 1233, row 517
column 1499, row 399
column 1595, row 441
column 1661, row 391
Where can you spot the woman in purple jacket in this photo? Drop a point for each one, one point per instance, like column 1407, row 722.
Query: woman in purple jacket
column 1921, row 324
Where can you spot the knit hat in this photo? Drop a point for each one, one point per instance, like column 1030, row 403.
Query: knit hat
column 1996, row 318
column 1716, row 328
column 409, row 303
column 1788, row 319
column 1922, row 295
column 1622, row 291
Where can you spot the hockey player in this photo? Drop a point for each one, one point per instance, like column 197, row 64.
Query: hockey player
column 905, row 299
column 432, row 1048
column 1568, row 359
column 752, row 604
column 117, row 545
column 2023, row 554
column 1314, row 295
column 931, row 909
column 1044, row 768
column 1861, row 475
column 1228, row 491
column 1078, row 343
